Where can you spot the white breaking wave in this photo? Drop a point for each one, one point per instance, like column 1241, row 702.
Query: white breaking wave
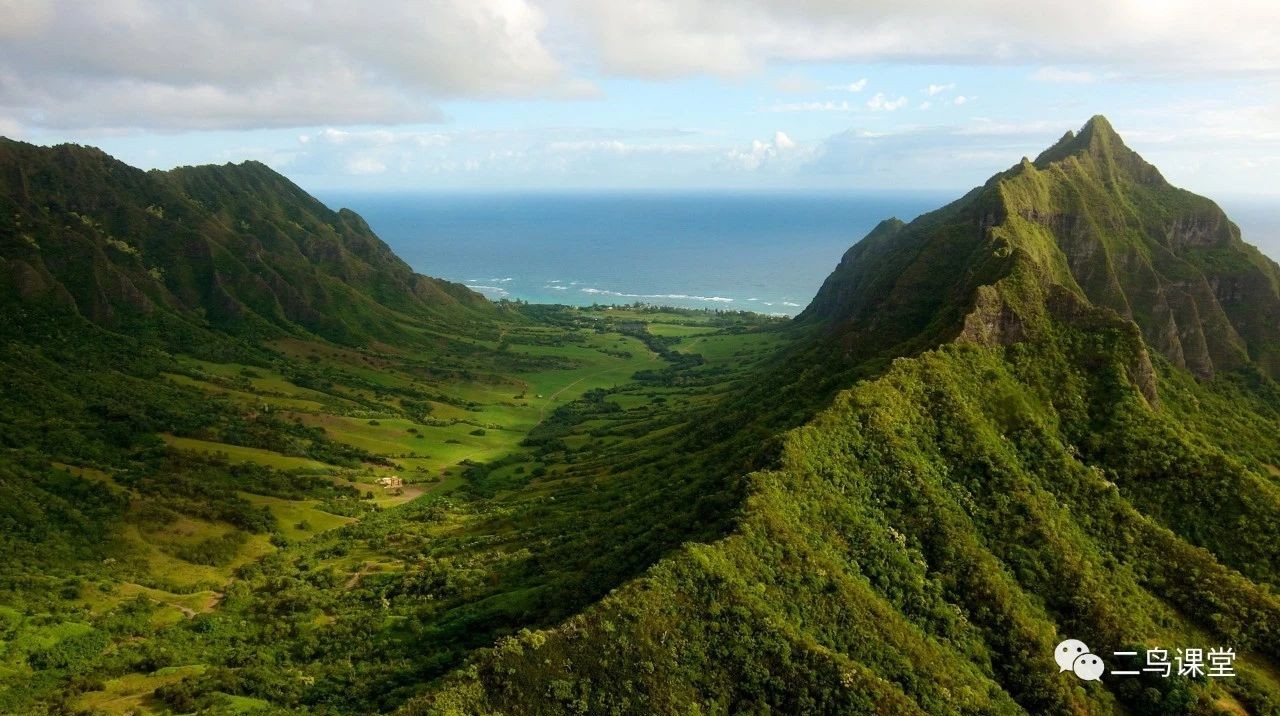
column 672, row 296
column 494, row 289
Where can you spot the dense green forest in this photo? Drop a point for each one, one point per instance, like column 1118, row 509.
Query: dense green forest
column 252, row 463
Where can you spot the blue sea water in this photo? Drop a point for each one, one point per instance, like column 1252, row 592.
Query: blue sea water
column 758, row 251
column 766, row 252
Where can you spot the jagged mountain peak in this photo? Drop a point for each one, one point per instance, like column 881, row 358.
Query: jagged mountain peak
column 1096, row 135
column 1098, row 141
column 1089, row 218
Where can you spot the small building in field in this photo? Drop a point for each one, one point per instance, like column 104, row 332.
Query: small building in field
column 391, row 482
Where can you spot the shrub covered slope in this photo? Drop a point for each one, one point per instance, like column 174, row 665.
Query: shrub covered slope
column 236, row 248
column 1065, row 427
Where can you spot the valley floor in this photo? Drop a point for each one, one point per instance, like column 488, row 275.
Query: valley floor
column 385, row 513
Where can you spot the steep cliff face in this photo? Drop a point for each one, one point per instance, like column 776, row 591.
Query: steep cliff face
column 1089, row 215
column 235, row 247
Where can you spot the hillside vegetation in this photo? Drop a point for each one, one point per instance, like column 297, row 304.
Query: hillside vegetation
column 234, row 248
column 1028, row 455
column 251, row 463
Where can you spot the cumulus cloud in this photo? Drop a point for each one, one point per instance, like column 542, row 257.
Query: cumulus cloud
column 248, row 64
column 782, row 153
column 881, row 103
column 932, row 90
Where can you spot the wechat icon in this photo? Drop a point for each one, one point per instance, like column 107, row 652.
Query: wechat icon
column 1073, row 655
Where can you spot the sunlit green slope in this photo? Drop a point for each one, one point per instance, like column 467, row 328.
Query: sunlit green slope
column 1066, row 427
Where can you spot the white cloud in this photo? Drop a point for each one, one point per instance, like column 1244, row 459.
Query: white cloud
column 1058, row 75
column 882, row 103
column 237, row 64
column 783, row 153
column 753, row 158
column 857, row 86
column 661, row 38
column 664, row 38
column 961, row 99
column 1197, row 144
column 932, row 90
column 248, row 64
column 523, row 156
column 925, row 105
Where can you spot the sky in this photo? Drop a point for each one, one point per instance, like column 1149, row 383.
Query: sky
column 447, row 95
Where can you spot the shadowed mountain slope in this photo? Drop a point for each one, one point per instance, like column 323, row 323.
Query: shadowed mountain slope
column 236, row 248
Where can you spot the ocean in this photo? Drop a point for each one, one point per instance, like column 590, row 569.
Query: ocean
column 758, row 251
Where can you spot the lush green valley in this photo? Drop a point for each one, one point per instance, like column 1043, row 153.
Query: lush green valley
column 252, row 463
column 267, row 509
column 303, row 518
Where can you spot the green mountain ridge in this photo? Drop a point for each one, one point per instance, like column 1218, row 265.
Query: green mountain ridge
column 235, row 248
column 1096, row 220
column 1064, row 425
